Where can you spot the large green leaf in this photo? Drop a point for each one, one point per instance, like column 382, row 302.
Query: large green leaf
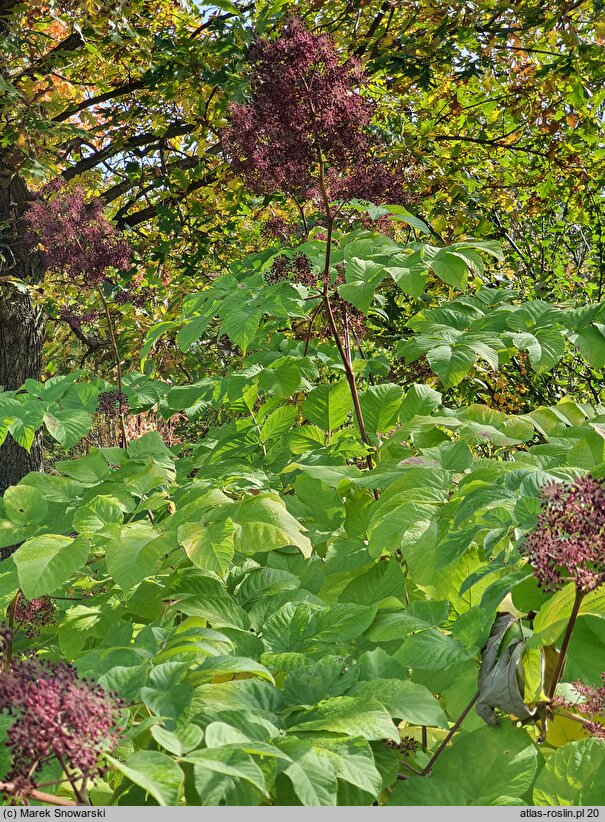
column 451, row 363
column 573, row 775
column 362, row 278
column 545, row 347
column 68, row 426
column 263, row 523
column 311, row 773
column 132, row 556
column 208, row 547
column 24, row 505
column 553, row 616
column 451, row 268
column 47, row 563
column 480, row 768
column 227, row 762
column 349, row 715
column 403, row 699
column 353, row 762
column 241, row 327
column 430, row 650
column 158, row 775
column 380, row 406
column 101, row 512
column 328, row 405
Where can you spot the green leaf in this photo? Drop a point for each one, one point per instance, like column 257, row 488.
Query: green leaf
column 383, row 580
column 573, row 775
column 132, row 557
column 281, row 378
column 420, row 400
column 154, row 334
column 553, row 616
column 22, row 433
column 431, row 650
column 191, row 332
column 311, row 773
column 341, row 623
column 209, row 547
column 362, row 278
column 277, row 423
column 451, row 363
column 380, row 406
column 309, row 684
column 179, row 742
column 97, row 515
column 241, row 327
column 263, row 523
column 228, row 762
column 156, row 773
column 544, row 346
column 403, row 699
column 328, row 405
column 450, row 268
column 410, row 275
column 47, row 562
column 401, row 214
column 349, row 715
column 220, row 665
column 68, row 426
column 353, row 762
column 485, row 764
column 24, row 505
column 591, row 342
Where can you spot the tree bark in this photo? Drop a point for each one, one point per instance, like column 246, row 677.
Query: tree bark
column 21, row 322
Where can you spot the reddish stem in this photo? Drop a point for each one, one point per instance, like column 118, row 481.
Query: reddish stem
column 565, row 644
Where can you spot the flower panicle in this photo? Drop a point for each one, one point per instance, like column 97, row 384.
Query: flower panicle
column 75, row 236
column 56, row 716
column 568, row 542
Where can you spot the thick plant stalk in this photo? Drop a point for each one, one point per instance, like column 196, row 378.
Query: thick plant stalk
column 565, row 644
column 429, row 766
column 116, row 354
column 330, row 314
column 10, row 789
column 350, row 377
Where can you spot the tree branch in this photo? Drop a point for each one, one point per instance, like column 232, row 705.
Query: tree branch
column 71, row 43
column 220, row 18
column 174, row 130
column 442, row 138
column 157, row 179
column 118, row 91
column 360, row 50
column 148, row 213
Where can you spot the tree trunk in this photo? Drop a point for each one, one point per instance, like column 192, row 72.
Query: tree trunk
column 21, row 322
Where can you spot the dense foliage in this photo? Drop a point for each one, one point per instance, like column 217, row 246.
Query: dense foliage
column 306, row 501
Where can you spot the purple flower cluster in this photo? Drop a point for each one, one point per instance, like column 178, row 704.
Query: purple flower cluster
column 33, row 614
column 568, row 543
column 138, row 299
column 305, row 105
column 298, row 269
column 112, row 403
column 306, row 109
column 74, row 320
column 369, row 179
column 592, row 706
column 57, row 717
column 276, row 228
column 75, row 236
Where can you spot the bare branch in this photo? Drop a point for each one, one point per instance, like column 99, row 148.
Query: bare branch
column 118, row 91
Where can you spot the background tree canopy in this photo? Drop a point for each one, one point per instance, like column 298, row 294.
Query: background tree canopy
column 302, row 339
